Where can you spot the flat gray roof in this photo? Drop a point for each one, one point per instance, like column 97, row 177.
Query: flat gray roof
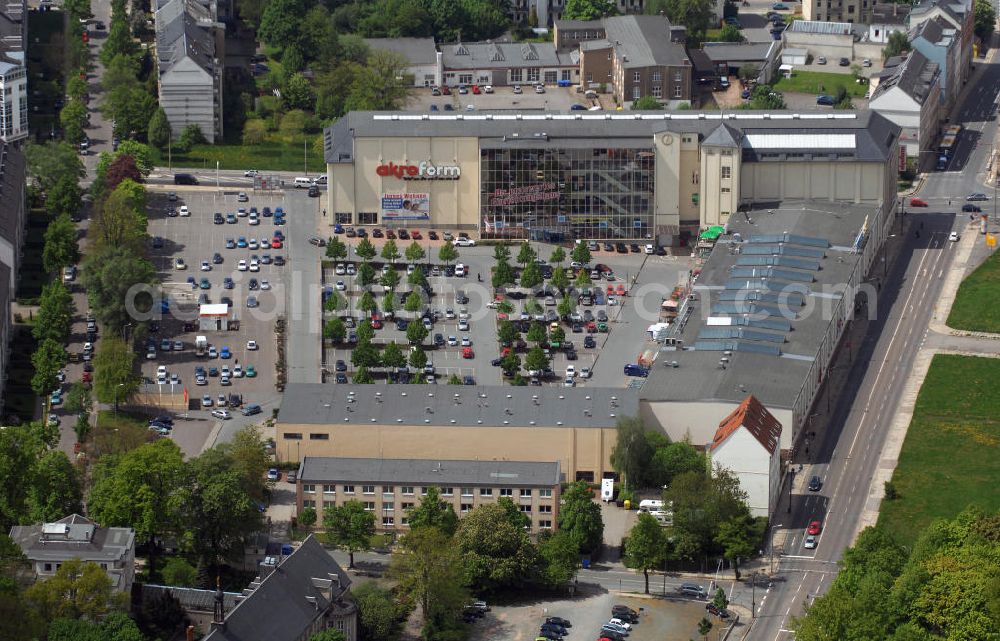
column 874, row 135
column 448, row 405
column 775, row 378
column 417, row 51
column 322, row 469
column 74, row 536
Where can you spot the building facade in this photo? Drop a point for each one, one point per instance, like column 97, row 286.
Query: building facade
column 48, row 545
column 908, row 94
column 589, row 175
column 854, row 11
column 507, row 64
column 747, row 443
column 938, row 41
column 189, row 57
column 960, row 14
column 391, row 487
column 13, row 224
column 13, row 72
column 421, row 55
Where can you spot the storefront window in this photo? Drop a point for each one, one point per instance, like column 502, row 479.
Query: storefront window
column 367, row 217
column 516, row 75
column 551, row 77
column 554, row 194
column 342, row 217
column 533, row 74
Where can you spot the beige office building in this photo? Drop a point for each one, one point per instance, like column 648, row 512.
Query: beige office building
column 622, row 175
column 392, row 487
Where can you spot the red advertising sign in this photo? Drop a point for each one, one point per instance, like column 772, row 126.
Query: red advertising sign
column 422, row 171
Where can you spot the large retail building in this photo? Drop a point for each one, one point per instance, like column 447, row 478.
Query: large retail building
column 629, row 175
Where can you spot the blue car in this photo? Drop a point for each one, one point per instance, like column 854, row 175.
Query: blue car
column 577, row 107
column 230, row 243
column 56, row 398
column 267, row 212
column 227, row 283
column 225, row 353
column 242, row 242
column 279, row 220
column 825, row 100
column 191, row 281
column 338, row 229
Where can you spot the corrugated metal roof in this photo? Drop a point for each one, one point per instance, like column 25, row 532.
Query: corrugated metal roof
column 800, row 141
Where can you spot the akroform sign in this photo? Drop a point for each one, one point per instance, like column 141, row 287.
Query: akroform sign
column 423, row 171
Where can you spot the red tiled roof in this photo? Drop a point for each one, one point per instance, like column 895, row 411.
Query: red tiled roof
column 752, row 415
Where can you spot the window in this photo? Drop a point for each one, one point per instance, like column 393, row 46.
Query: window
column 656, row 76
column 329, row 489
column 388, row 521
column 388, row 506
column 368, row 489
column 309, row 503
column 367, row 217
column 486, row 491
column 407, row 506
column 329, row 505
column 725, row 190
column 678, row 91
column 447, row 491
column 727, row 171
column 545, row 509
column 369, row 506
column 292, row 436
column 467, row 491
column 636, row 77
column 506, row 491
column 343, row 217
column 636, row 92
column 525, row 493
column 314, row 436
column 551, row 77
column 48, row 567
column 516, row 75
column 525, row 509
column 567, row 74
column 545, row 524
column 466, row 507
column 545, row 494
column 465, row 78
column 678, row 77
column 404, row 520
column 533, row 74
column 590, row 77
column 348, row 489
column 423, row 491
column 388, row 489
column 408, row 490
column 309, row 488
column 657, row 91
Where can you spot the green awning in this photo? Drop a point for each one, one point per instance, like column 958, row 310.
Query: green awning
column 713, row 232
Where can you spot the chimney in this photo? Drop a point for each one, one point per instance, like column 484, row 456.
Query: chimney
column 189, row 633
column 219, row 610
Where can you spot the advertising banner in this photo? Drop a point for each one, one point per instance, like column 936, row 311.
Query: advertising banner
column 406, row 207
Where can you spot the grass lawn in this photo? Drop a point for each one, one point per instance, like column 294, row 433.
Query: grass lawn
column 949, row 459
column 819, row 82
column 977, row 305
column 277, row 153
column 119, row 432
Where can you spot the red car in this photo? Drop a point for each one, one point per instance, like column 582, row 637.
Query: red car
column 621, row 290
column 88, row 377
column 476, row 90
column 611, row 290
column 275, row 243
column 415, row 235
column 86, row 37
column 918, row 202
column 814, row 528
column 376, row 321
column 467, row 352
column 445, row 90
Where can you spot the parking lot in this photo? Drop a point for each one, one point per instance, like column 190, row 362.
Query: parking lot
column 201, row 244
column 554, row 99
column 659, row 619
column 647, row 279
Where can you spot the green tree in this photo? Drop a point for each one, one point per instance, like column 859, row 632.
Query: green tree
column 119, row 41
column 702, row 502
column 55, row 488
column 704, row 627
column 764, row 97
column 177, row 571
column 646, row 103
column 392, row 356
column 349, row 527
column 333, row 302
column 365, row 249
column 365, row 333
column 566, row 307
column 388, row 300
column 330, row 634
column 61, row 248
column 432, row 511
column 432, row 572
column 362, row 376
column 501, row 253
column 115, row 377
column 719, row 600
column 47, row 360
column 580, row 253
column 645, row 546
column 55, row 313
column 293, row 123
column 558, row 256
column 503, row 274
column 897, row 43
column 79, row 9
column 191, row 135
column 536, row 360
column 118, row 224
column 254, row 132
column 281, row 22
column 248, row 457
column 418, row 279
column 390, row 252
column 376, row 612
column 454, row 379
column 738, row 539
column 559, row 279
column 390, row 280
column 365, row 355
column 418, row 358
column 631, row 453
column 78, row 399
column 380, row 85
column 588, row 9
column 749, row 73
column 985, row 16
column 298, row 93
column 583, row 279
column 307, row 517
column 413, row 302
column 580, row 517
column 366, row 274
column 50, row 162
column 414, row 252
column 671, row 460
column 159, row 132
column 510, row 364
column 536, row 334
column 496, row 548
column 335, row 330
column 557, row 335
column 696, row 15
column 448, row 253
column 336, row 249
column 73, row 118
column 367, row 303
column 526, row 254
column 77, row 590
column 560, row 557
column 731, row 33
column 507, row 333
column 531, row 276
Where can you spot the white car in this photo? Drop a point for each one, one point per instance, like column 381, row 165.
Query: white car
column 250, row 173
column 251, row 346
column 237, row 371
column 569, row 382
column 340, row 270
column 460, row 269
column 463, row 325
column 953, row 236
column 242, row 197
column 184, row 211
column 452, row 341
column 570, row 371
column 222, row 414
column 340, row 286
column 161, row 371
column 620, row 623
column 466, row 341
column 410, row 269
column 254, row 220
column 254, row 265
column 487, row 88
column 461, row 241
column 265, row 285
column 810, row 543
column 252, row 243
column 241, row 266
column 206, row 401
column 649, row 249
column 351, row 269
column 449, row 314
column 206, row 266
column 584, row 373
column 179, row 263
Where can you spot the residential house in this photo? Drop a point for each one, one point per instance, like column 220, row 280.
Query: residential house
column 390, row 487
column 939, row 41
column 960, row 15
column 507, row 63
column 13, row 222
column 422, row 57
column 189, row 57
column 885, row 19
column 747, row 444
column 908, row 94
column 13, row 72
column 48, row 545
column 637, row 57
column 838, row 10
column 293, row 598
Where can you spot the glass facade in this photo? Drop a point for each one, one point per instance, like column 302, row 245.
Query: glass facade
column 553, row 194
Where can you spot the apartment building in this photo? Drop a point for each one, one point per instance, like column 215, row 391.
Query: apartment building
column 390, row 487
column 908, row 94
column 960, row 14
column 859, row 11
column 939, row 41
column 189, row 56
column 13, row 72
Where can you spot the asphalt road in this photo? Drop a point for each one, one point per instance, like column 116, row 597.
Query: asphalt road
column 848, row 443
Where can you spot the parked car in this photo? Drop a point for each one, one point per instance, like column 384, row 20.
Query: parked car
column 826, row 101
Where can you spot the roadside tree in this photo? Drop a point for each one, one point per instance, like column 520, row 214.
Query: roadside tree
column 645, row 546
column 497, row 551
column 580, row 518
column 349, row 527
column 447, row 254
column 414, row 252
column 47, row 360
column 390, row 252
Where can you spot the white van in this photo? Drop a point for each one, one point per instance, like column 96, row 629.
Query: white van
column 650, row 505
column 303, row 183
column 319, row 180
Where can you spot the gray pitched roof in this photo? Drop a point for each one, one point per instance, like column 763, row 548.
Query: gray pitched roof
column 74, row 536
column 915, row 76
column 283, row 605
column 503, row 55
column 890, row 13
column 321, row 469
column 183, row 30
column 317, row 404
column 644, row 41
column 417, row 51
column 937, row 30
column 724, row 136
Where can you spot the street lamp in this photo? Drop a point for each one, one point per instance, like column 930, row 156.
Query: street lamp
column 116, row 398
